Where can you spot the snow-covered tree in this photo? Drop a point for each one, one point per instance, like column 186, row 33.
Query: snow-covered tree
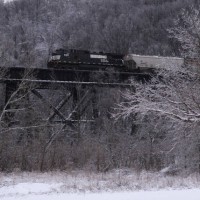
column 186, row 31
column 174, row 96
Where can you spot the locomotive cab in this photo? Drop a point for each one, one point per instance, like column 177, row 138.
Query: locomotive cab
column 59, row 54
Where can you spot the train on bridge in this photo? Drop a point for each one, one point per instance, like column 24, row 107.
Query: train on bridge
column 72, row 58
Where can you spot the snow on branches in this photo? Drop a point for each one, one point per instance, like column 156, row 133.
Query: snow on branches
column 176, row 97
column 186, row 31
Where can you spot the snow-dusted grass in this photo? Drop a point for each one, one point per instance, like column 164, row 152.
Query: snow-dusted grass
column 115, row 185
column 79, row 181
column 193, row 194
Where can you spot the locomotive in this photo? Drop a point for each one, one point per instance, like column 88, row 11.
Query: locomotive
column 82, row 59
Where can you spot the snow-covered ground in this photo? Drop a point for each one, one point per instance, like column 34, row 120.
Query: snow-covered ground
column 142, row 195
column 118, row 185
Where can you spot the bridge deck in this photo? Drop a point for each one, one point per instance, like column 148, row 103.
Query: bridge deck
column 46, row 77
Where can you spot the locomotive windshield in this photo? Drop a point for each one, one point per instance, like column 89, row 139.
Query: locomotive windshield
column 98, row 56
column 66, row 54
column 55, row 57
column 102, row 58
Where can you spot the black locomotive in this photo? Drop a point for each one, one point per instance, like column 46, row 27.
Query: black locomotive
column 81, row 59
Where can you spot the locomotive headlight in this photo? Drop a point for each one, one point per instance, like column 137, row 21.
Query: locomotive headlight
column 55, row 57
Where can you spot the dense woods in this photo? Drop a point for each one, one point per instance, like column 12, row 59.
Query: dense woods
column 31, row 30
column 158, row 132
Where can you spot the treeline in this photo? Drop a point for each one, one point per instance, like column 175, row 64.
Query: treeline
column 32, row 29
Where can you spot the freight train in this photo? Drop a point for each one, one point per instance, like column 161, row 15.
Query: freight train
column 81, row 59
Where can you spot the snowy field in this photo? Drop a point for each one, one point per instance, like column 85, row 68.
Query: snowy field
column 159, row 195
column 118, row 185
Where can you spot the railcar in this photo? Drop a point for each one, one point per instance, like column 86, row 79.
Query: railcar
column 155, row 62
